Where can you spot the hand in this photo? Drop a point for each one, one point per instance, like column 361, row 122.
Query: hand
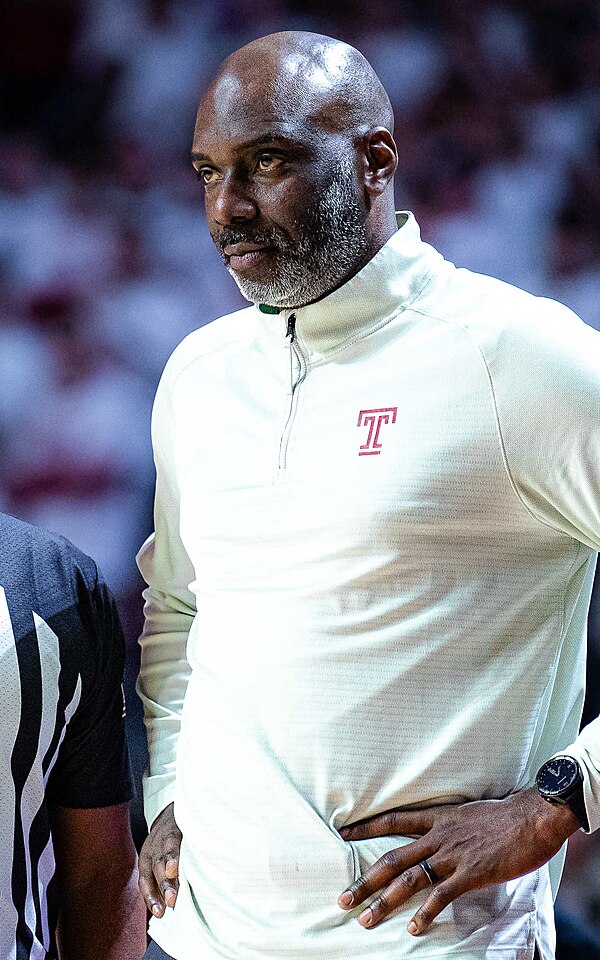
column 159, row 863
column 467, row 845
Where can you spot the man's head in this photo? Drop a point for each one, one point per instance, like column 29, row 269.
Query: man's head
column 293, row 143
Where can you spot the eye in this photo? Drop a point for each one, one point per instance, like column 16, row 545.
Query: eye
column 206, row 175
column 266, row 161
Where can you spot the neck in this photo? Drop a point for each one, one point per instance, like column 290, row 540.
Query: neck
column 381, row 232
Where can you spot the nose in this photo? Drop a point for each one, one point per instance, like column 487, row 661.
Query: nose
column 232, row 203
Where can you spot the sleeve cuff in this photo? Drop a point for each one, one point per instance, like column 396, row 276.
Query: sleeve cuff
column 159, row 792
column 591, row 782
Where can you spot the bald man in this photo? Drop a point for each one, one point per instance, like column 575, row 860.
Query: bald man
column 377, row 517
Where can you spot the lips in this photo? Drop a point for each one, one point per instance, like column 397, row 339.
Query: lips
column 244, row 256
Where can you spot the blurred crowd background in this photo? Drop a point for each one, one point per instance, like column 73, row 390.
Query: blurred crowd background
column 106, row 263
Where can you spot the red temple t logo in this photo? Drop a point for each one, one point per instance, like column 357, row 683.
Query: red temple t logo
column 374, row 420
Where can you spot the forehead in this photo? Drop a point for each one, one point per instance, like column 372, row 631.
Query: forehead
column 238, row 109
column 233, row 113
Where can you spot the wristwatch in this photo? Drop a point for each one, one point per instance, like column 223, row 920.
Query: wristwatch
column 560, row 780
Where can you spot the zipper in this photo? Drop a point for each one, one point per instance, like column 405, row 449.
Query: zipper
column 297, row 375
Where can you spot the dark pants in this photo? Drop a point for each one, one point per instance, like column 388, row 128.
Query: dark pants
column 155, row 953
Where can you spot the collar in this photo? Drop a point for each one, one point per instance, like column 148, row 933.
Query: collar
column 389, row 282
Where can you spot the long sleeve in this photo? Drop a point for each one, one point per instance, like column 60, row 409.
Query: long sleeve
column 169, row 611
column 549, row 421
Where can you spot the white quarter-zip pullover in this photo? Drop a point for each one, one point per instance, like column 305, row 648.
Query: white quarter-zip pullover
column 368, row 584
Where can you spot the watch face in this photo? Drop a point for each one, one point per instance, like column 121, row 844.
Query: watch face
column 557, row 775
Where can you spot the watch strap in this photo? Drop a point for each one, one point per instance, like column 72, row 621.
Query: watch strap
column 576, row 802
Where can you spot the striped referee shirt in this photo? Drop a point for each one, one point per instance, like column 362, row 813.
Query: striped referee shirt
column 62, row 731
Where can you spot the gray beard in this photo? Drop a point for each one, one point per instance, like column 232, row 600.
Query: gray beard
column 332, row 242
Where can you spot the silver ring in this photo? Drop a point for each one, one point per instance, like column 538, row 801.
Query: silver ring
column 429, row 871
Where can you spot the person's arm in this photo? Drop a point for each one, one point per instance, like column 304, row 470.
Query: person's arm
column 101, row 914
column 547, row 394
column 169, row 612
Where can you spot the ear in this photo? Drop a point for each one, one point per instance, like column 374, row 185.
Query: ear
column 381, row 160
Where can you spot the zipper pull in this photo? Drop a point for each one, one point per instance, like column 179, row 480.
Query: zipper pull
column 291, row 328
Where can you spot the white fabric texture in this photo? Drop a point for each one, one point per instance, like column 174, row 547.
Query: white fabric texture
column 335, row 628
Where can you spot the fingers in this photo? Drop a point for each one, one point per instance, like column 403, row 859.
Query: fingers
column 400, row 865
column 159, row 887
column 171, row 881
column 439, row 898
column 396, row 893
column 149, row 887
column 399, row 889
column 159, row 872
column 402, row 823
column 165, row 867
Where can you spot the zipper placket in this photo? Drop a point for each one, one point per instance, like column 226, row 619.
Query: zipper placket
column 298, row 360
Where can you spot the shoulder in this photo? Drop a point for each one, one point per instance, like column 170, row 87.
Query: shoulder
column 517, row 333
column 49, row 584
column 226, row 333
column 36, row 562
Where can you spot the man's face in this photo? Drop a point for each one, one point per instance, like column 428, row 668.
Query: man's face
column 282, row 199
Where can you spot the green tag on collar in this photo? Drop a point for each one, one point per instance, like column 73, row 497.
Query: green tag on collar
column 265, row 308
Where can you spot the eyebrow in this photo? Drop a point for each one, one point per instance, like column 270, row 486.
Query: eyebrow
column 249, row 144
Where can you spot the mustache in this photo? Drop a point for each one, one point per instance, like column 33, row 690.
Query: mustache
column 229, row 235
